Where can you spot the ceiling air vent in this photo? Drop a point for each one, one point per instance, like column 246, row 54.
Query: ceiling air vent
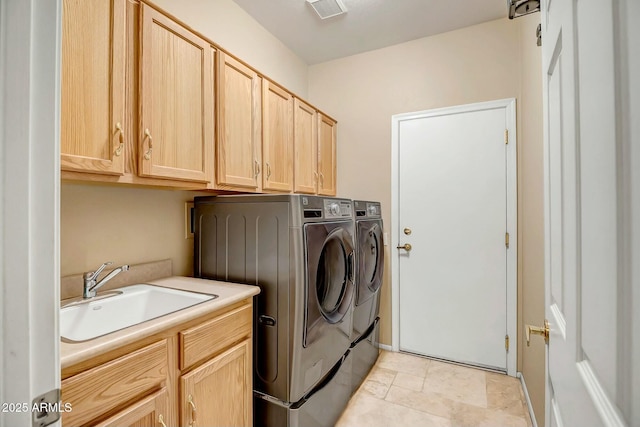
column 518, row 8
column 327, row 8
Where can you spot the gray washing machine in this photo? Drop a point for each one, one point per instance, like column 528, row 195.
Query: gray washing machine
column 369, row 277
column 300, row 251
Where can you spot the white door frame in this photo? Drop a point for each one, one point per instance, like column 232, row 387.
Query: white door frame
column 509, row 105
column 29, row 203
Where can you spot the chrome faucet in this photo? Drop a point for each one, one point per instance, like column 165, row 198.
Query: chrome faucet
column 90, row 284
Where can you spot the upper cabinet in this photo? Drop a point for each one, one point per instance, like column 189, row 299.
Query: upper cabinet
column 148, row 101
column 93, row 70
column 277, row 138
column 176, row 90
column 306, row 148
column 326, row 155
column 238, row 121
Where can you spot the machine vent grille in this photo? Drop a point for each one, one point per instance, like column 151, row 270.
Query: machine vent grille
column 327, row 8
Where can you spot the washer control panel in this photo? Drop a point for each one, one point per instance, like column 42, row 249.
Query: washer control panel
column 367, row 210
column 337, row 208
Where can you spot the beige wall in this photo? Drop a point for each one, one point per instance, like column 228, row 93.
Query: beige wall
column 531, row 213
column 480, row 63
column 122, row 224
column 229, row 26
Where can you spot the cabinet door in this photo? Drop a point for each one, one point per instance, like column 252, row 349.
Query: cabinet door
column 326, row 155
column 277, row 138
column 219, row 393
column 112, row 385
column 176, row 98
column 92, row 88
column 238, row 144
column 306, row 148
column 150, row 411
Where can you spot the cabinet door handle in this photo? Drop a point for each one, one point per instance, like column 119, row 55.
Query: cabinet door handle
column 120, row 138
column 193, row 410
column 147, row 134
column 256, row 168
column 321, row 178
column 268, row 170
column 161, row 421
column 315, row 176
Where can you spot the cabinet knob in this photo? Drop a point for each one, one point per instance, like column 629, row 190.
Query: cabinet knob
column 268, row 170
column 256, row 168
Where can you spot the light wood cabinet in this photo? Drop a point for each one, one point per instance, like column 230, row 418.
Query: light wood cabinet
column 148, row 101
column 111, row 385
column 208, row 338
column 200, row 371
column 277, row 138
column 315, row 151
column 326, row 155
column 150, row 411
column 176, row 87
column 230, row 374
column 238, row 125
column 306, row 148
column 92, row 103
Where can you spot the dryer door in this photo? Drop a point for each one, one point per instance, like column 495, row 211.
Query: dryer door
column 330, row 276
column 370, row 259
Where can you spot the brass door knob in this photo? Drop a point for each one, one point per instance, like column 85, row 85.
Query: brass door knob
column 407, row 231
column 406, row 247
column 536, row 330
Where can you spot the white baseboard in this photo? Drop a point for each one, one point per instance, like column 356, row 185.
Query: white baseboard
column 385, row 347
column 526, row 395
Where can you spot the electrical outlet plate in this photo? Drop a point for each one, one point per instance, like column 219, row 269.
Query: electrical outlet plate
column 189, row 214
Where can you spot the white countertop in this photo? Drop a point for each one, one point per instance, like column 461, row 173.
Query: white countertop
column 72, row 353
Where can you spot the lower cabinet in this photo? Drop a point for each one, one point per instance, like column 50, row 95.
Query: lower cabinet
column 150, row 411
column 228, row 374
column 195, row 374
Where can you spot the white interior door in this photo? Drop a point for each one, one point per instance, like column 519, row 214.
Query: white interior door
column 29, row 199
column 588, row 286
column 454, row 192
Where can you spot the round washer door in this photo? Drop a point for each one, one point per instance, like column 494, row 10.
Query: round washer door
column 370, row 259
column 330, row 276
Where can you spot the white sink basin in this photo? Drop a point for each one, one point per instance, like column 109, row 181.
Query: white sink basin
column 132, row 305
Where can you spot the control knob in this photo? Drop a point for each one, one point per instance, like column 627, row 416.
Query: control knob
column 334, row 209
column 372, row 210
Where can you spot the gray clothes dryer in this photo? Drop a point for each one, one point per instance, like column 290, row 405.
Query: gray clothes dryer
column 300, row 251
column 369, row 277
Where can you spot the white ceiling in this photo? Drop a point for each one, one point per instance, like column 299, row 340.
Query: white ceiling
column 368, row 24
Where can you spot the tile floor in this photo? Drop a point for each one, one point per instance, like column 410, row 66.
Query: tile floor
column 406, row 390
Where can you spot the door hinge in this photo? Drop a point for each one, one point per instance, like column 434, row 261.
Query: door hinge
column 539, row 35
column 506, row 342
column 506, row 136
column 46, row 408
column 506, row 240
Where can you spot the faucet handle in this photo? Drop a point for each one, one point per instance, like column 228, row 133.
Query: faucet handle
column 92, row 275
